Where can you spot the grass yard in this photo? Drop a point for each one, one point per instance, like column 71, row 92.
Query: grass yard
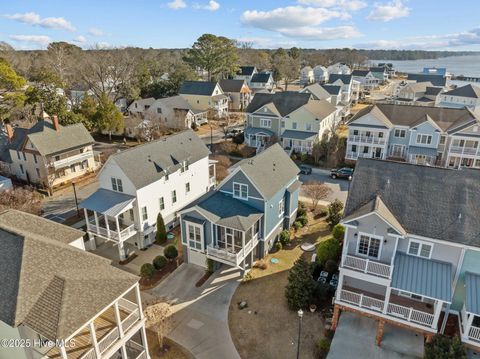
column 267, row 329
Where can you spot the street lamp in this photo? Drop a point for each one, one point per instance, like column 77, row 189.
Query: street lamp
column 76, row 200
column 300, row 316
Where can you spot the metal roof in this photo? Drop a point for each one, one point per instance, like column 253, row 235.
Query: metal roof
column 426, row 151
column 426, row 277
column 255, row 130
column 472, row 300
column 299, row 135
column 108, row 202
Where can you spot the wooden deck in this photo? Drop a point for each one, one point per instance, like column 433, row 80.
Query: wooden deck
column 103, row 325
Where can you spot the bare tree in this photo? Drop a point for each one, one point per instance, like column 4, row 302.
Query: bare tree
column 23, row 199
column 158, row 319
column 316, row 191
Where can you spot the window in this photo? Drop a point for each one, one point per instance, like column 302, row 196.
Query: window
column 35, row 158
column 57, row 158
column 308, row 126
column 365, row 149
column 184, row 167
column 114, row 184
column 132, row 218
column 18, row 155
column 400, row 133
column 369, row 246
column 117, row 184
column 265, row 122
column 443, row 139
column 24, row 156
column 240, row 190
column 174, row 196
column 144, row 214
column 424, row 139
column 420, row 249
column 166, row 176
column 294, row 125
column 136, row 105
column 281, row 207
column 159, row 110
column 162, row 203
column 38, row 172
column 187, row 187
column 380, row 135
column 354, row 148
column 21, row 169
column 282, row 123
column 355, row 132
column 73, row 168
column 195, row 237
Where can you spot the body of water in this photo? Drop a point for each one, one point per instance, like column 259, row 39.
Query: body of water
column 456, row 65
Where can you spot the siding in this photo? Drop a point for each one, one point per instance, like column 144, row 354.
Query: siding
column 471, row 263
column 240, row 177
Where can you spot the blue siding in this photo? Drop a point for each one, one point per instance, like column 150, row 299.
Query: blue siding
column 427, row 129
column 471, row 263
column 392, row 140
column 207, row 228
column 271, row 213
column 252, row 191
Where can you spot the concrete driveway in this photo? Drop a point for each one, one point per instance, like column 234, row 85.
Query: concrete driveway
column 339, row 187
column 200, row 319
column 355, row 338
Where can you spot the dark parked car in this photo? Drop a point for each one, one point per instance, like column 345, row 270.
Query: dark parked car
column 305, row 170
column 346, row 173
column 232, row 132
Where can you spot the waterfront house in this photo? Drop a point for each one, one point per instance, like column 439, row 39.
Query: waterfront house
column 242, row 218
column 366, row 79
column 137, row 184
column 339, row 68
column 464, row 96
column 410, row 256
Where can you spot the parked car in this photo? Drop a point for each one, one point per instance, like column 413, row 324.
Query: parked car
column 346, row 173
column 305, row 170
column 232, row 132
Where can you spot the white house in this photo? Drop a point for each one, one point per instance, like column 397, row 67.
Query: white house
column 205, row 96
column 136, row 185
column 320, row 73
column 465, row 96
column 306, row 76
column 246, row 73
column 318, row 92
column 366, row 79
column 262, row 81
column 141, row 105
column 339, row 69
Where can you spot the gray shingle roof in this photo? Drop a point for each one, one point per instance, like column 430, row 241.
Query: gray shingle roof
column 202, row 88
column 318, row 91
column 436, row 80
column 177, row 102
column 52, row 287
column 48, row 141
column 246, row 70
column 270, row 171
column 284, row 102
column 346, row 79
column 433, row 90
column 422, row 276
column 412, row 194
column 472, row 297
column 465, row 91
column 231, row 85
column 299, row 135
column 147, row 163
column 261, row 77
column 360, row 73
column 332, row 89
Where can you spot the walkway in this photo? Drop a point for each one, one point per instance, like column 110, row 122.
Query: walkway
column 200, row 320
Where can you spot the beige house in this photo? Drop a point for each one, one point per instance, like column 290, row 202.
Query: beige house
column 238, row 92
column 49, row 154
column 175, row 112
column 61, row 301
column 205, row 96
column 140, row 106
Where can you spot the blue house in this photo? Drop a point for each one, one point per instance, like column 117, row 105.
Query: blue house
column 241, row 219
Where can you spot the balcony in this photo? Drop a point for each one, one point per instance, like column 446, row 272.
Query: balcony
column 469, row 324
column 368, row 266
column 233, row 258
column 470, row 151
column 65, row 162
column 120, row 235
column 366, row 139
column 357, row 155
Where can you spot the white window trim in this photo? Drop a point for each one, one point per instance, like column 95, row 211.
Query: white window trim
column 370, row 236
column 400, row 131
column 281, row 204
column 410, row 240
column 269, row 121
column 240, row 184
column 187, row 224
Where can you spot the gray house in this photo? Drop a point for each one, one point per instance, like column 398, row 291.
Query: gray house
column 411, row 257
column 240, row 220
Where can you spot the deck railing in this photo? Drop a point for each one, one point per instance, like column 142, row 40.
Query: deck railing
column 108, row 340
column 130, row 320
column 112, row 233
column 90, row 354
column 64, row 162
column 410, row 314
column 234, row 258
column 366, row 139
column 367, row 266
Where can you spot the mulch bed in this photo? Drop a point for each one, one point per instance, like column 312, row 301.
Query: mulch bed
column 128, row 260
column 151, row 282
column 204, row 278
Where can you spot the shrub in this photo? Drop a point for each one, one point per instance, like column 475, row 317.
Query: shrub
column 147, row 270
column 323, row 347
column 236, row 153
column 278, row 246
column 331, row 266
column 170, row 252
column 297, row 225
column 321, row 291
column 210, row 264
column 238, row 139
column 159, row 262
column 194, row 126
column 247, row 277
column 303, row 220
column 338, row 232
column 285, row 237
column 301, row 211
column 443, row 347
column 161, row 235
column 300, row 289
column 303, row 157
column 329, row 249
column 334, row 213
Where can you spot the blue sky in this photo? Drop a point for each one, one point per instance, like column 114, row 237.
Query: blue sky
column 390, row 24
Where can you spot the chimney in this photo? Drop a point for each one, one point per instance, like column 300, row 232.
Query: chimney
column 9, row 130
column 56, row 126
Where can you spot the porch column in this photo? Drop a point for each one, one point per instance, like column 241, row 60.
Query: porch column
column 93, row 335
column 124, row 351
column 469, row 323
column 118, row 318
column 143, row 334
column 118, row 228
column 85, row 213
column 339, row 286
column 243, row 243
column 379, row 334
column 387, row 300
column 121, row 251
column 106, row 225
column 139, row 300
column 445, row 319
column 438, row 310
column 63, row 351
column 336, row 316
column 97, row 223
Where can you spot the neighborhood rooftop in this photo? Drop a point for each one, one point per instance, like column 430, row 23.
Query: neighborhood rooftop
column 444, row 199
column 283, row 102
column 228, row 85
column 246, row 70
column 261, row 77
column 436, row 80
column 465, row 91
column 197, row 88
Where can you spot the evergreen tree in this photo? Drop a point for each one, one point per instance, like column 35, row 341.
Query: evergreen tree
column 301, row 286
column 443, row 347
column 161, row 232
column 108, row 118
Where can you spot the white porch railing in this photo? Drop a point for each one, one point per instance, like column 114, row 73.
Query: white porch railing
column 362, row 300
column 142, row 355
column 474, row 333
column 410, row 314
column 89, row 354
column 108, row 340
column 130, row 320
column 356, row 155
column 366, row 139
column 367, row 266
column 64, row 162
column 234, row 258
column 128, row 305
column 112, row 234
column 463, row 150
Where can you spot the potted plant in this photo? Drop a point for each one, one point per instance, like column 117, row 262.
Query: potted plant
column 313, row 308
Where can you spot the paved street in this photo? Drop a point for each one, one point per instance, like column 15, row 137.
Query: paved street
column 200, row 320
column 339, row 187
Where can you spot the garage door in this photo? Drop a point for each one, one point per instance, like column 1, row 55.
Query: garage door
column 195, row 257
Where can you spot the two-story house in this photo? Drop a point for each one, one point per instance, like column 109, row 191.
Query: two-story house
column 366, row 79
column 295, row 119
column 262, row 81
column 464, row 96
column 350, row 88
column 380, row 73
column 49, row 154
column 339, row 68
column 241, row 219
column 320, row 74
column 61, row 302
column 140, row 106
column 318, row 92
column 418, row 93
column 411, row 257
column 416, row 134
column 136, row 185
column 246, row 73
column 238, row 92
column 335, row 92
column 205, row 96
column 306, row 76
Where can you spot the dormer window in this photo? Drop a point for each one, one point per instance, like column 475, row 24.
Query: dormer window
column 240, row 190
column 117, row 184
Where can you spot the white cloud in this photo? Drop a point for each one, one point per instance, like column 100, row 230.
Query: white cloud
column 39, row 40
column 211, row 6
column 445, row 41
column 80, row 39
column 300, row 22
column 47, row 22
column 350, row 5
column 389, row 11
column 177, row 4
column 95, row 31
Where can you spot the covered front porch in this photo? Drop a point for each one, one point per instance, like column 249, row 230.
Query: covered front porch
column 470, row 315
column 110, row 216
column 299, row 141
column 257, row 137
